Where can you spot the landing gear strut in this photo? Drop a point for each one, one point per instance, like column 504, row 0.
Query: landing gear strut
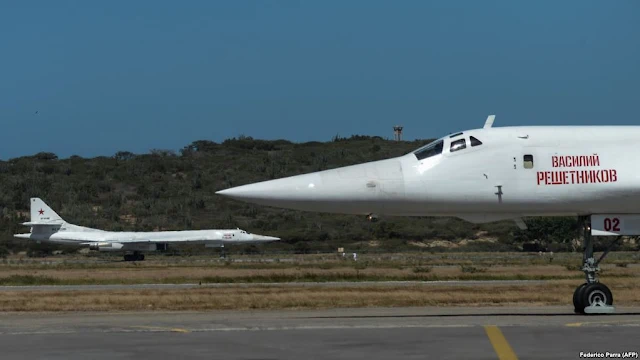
column 136, row 256
column 592, row 297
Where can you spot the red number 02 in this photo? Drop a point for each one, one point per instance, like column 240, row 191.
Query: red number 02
column 611, row 224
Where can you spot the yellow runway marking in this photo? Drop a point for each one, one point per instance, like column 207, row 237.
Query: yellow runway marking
column 500, row 344
column 159, row 328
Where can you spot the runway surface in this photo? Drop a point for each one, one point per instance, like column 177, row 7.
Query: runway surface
column 336, row 284
column 388, row 333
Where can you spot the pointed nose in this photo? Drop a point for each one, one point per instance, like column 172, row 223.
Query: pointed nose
column 357, row 189
column 277, row 192
column 265, row 238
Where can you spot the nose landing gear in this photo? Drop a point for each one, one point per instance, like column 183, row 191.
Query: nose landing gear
column 592, row 297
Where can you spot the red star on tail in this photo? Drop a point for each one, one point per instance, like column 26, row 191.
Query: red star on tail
column 41, row 211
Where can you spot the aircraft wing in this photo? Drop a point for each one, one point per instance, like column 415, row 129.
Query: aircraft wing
column 133, row 242
column 163, row 240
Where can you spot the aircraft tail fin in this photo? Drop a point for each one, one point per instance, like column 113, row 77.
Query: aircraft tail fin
column 42, row 213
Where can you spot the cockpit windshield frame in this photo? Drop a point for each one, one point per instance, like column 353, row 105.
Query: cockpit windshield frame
column 432, row 149
column 458, row 145
column 448, row 145
column 474, row 141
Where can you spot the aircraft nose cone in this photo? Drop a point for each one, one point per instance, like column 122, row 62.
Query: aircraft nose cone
column 357, row 189
column 265, row 238
column 277, row 192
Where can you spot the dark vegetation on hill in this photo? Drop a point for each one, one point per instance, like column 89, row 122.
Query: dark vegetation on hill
column 165, row 190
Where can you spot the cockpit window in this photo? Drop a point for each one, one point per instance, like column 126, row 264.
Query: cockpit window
column 458, row 145
column 528, row 161
column 474, row 141
column 435, row 148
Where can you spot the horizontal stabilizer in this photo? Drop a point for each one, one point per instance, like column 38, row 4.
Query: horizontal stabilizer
column 43, row 223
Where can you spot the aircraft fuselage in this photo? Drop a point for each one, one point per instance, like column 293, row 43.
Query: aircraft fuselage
column 501, row 173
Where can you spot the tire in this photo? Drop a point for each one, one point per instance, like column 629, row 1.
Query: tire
column 129, row 257
column 593, row 293
column 578, row 306
column 141, row 257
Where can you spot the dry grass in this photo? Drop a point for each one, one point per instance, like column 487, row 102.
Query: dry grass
column 387, row 260
column 136, row 275
column 624, row 281
column 152, row 272
column 553, row 293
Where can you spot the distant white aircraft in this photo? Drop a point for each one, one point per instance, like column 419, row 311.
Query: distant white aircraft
column 486, row 175
column 47, row 226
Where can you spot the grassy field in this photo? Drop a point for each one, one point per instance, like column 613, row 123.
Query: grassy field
column 621, row 273
column 557, row 292
column 182, row 275
column 308, row 268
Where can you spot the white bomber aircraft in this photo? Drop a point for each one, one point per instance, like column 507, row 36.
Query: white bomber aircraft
column 486, row 175
column 47, row 226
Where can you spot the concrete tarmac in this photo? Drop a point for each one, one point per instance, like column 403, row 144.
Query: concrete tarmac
column 375, row 333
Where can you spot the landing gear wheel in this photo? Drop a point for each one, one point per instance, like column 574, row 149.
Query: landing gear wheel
column 128, row 257
column 592, row 297
column 595, row 295
column 140, row 257
column 578, row 304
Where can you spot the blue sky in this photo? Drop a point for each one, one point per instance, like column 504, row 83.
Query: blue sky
column 136, row 75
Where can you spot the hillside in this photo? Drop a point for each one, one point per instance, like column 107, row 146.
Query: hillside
column 164, row 190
